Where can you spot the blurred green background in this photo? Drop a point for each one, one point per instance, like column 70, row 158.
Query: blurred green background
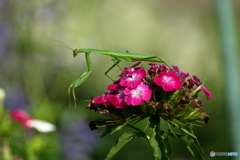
column 35, row 73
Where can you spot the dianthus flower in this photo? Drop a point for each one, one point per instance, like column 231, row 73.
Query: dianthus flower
column 169, row 81
column 137, row 95
column 133, row 78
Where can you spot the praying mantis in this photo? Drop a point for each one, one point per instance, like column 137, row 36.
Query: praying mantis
column 117, row 57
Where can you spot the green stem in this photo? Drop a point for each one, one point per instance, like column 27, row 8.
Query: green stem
column 6, row 150
column 30, row 146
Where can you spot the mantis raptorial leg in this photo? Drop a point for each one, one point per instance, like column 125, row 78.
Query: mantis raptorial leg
column 81, row 78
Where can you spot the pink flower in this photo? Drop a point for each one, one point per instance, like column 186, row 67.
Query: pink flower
column 196, row 80
column 205, row 90
column 117, row 99
column 132, row 68
column 176, row 69
column 92, row 105
column 133, row 78
column 138, row 95
column 21, row 117
column 103, row 99
column 169, row 81
column 207, row 93
column 28, row 122
column 157, row 68
column 114, row 96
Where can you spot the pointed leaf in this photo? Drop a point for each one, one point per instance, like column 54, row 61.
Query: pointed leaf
column 192, row 146
column 188, row 131
column 106, row 131
column 164, row 145
column 118, row 128
column 155, row 129
column 122, row 140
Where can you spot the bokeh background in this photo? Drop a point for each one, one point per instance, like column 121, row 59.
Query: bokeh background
column 35, row 73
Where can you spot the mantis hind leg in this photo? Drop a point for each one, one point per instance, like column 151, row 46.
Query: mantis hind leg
column 115, row 61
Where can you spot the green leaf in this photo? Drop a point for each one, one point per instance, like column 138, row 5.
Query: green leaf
column 191, row 144
column 122, row 140
column 186, row 128
column 178, row 123
column 169, row 126
column 158, row 140
column 168, row 149
column 188, row 131
column 118, row 128
column 164, row 145
column 112, row 129
column 106, row 131
column 155, row 128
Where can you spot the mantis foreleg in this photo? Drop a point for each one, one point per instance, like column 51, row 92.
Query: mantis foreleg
column 81, row 78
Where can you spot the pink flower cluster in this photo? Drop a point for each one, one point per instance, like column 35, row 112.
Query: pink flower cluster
column 137, row 85
column 130, row 89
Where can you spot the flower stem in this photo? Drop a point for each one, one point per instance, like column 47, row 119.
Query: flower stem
column 6, row 151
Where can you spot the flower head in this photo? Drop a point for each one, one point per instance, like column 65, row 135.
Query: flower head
column 117, row 99
column 128, row 69
column 169, row 81
column 138, row 95
column 133, row 78
column 157, row 68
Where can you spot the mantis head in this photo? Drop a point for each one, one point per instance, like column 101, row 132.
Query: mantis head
column 75, row 53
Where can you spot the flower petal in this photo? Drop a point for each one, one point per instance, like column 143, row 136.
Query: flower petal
column 207, row 93
column 40, row 125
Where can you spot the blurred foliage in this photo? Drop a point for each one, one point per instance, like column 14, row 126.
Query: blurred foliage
column 35, row 73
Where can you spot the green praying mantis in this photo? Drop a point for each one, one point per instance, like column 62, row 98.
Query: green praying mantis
column 117, row 57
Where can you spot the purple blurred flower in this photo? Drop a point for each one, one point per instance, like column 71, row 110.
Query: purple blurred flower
column 5, row 32
column 16, row 98
column 77, row 141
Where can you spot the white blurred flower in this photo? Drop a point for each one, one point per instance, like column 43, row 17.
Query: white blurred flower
column 28, row 122
column 40, row 125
